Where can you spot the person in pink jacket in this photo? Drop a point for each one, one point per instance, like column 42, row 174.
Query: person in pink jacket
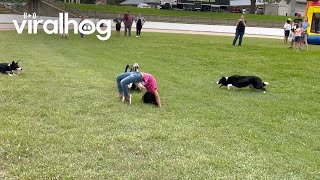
column 127, row 20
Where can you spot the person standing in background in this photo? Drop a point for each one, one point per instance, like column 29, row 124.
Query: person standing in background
column 139, row 23
column 304, row 35
column 127, row 20
column 287, row 28
column 81, row 19
column 297, row 37
column 63, row 35
column 118, row 22
column 298, row 19
column 241, row 25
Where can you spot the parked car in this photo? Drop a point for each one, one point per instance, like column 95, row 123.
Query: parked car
column 215, row 8
column 143, row 5
column 259, row 10
column 235, row 10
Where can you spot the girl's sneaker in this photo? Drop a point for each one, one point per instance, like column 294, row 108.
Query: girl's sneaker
column 128, row 99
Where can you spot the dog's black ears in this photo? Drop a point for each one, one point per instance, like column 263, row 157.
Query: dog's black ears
column 15, row 62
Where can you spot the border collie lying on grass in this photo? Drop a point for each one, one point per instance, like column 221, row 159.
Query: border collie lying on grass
column 253, row 82
column 10, row 69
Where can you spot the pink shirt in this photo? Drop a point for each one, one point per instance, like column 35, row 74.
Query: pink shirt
column 298, row 32
column 150, row 82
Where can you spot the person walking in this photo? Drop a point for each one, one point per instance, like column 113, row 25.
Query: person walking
column 139, row 23
column 241, row 25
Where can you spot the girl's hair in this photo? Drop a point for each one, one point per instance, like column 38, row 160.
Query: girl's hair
column 288, row 21
column 149, row 98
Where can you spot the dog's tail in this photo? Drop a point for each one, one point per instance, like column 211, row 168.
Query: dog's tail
column 265, row 83
column 127, row 67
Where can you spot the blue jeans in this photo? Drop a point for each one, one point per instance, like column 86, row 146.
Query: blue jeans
column 238, row 33
column 126, row 78
column 127, row 29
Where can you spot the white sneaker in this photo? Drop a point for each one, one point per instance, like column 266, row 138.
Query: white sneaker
column 122, row 99
column 137, row 36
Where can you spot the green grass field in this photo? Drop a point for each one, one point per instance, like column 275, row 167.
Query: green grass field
column 61, row 119
column 200, row 14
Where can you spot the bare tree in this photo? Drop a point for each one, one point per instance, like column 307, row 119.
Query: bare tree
column 253, row 6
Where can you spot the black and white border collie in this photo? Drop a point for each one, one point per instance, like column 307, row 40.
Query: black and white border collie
column 253, row 82
column 10, row 68
column 134, row 68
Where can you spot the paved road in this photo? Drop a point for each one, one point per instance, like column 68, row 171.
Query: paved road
column 6, row 23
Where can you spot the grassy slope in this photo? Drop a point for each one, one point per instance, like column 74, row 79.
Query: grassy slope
column 135, row 10
column 61, row 117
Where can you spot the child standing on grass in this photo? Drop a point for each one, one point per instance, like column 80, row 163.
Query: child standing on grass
column 297, row 37
column 118, row 21
column 287, row 28
column 291, row 35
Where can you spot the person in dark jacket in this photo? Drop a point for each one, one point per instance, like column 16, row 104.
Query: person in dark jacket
column 118, row 21
column 241, row 25
column 139, row 23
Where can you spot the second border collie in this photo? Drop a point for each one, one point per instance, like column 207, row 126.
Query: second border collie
column 243, row 81
column 10, row 68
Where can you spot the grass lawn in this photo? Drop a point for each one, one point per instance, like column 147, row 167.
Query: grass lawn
column 61, row 118
column 200, row 14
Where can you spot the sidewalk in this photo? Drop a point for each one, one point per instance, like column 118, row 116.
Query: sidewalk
column 6, row 23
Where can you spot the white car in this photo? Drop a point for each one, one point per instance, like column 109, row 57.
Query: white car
column 143, row 5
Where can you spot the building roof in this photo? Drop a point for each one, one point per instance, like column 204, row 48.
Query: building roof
column 244, row 2
column 131, row 2
column 136, row 2
column 152, row 1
